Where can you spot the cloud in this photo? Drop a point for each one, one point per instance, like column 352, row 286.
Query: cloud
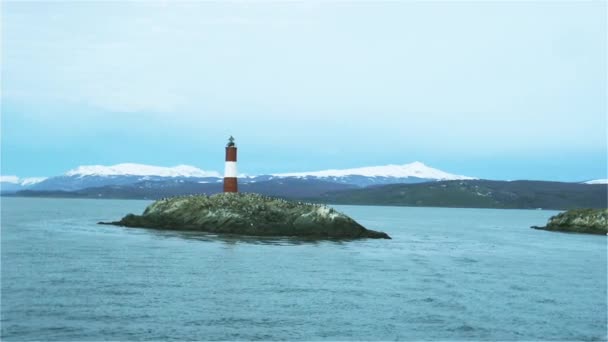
column 370, row 81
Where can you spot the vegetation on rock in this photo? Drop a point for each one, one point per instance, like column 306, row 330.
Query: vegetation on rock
column 248, row 214
column 591, row 221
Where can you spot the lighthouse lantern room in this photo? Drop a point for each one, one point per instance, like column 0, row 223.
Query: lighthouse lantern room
column 230, row 180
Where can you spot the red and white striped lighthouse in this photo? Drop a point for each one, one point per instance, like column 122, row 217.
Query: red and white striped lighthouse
column 230, row 183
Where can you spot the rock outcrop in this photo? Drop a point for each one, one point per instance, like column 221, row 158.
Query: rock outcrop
column 248, row 214
column 590, row 221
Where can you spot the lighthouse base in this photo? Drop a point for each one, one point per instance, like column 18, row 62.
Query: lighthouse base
column 230, row 184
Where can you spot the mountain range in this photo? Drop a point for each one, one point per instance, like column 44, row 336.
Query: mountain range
column 413, row 184
column 91, row 176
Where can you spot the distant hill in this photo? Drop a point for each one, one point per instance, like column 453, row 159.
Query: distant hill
column 458, row 193
column 278, row 187
column 478, row 194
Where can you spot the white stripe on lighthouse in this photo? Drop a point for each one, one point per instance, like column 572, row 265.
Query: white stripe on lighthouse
column 230, row 170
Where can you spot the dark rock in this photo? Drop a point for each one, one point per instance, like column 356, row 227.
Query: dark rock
column 248, row 214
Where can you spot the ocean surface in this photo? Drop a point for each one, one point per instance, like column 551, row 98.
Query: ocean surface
column 447, row 274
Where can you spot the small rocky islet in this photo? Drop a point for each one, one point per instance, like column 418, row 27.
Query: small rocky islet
column 589, row 221
column 248, row 214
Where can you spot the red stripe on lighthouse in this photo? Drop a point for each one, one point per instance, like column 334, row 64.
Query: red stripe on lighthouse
column 231, row 154
column 230, row 184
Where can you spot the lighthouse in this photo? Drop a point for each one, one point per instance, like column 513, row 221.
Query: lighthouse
column 230, row 183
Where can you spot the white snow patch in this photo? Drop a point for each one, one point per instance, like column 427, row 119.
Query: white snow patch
column 131, row 169
column 415, row 169
column 21, row 181
column 597, row 181
column 9, row 179
column 31, row 180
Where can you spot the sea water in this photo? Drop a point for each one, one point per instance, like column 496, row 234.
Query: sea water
column 447, row 274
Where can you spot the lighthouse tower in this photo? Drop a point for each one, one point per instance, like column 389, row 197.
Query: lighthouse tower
column 230, row 183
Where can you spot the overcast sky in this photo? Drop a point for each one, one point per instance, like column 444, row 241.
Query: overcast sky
column 503, row 90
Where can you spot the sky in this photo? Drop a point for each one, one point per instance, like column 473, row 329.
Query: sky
column 497, row 90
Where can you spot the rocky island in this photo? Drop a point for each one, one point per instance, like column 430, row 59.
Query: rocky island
column 590, row 221
column 248, row 214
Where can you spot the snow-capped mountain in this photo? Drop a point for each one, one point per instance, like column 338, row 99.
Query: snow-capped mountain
column 90, row 176
column 93, row 176
column 131, row 169
column 21, row 181
column 597, row 181
column 415, row 172
column 415, row 169
column 14, row 183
